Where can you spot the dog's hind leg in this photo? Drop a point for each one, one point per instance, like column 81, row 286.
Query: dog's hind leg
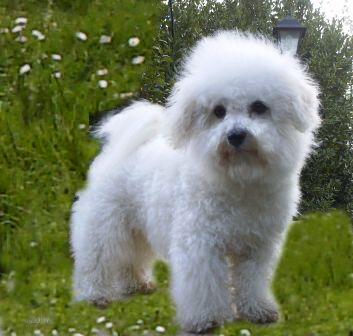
column 143, row 263
column 108, row 264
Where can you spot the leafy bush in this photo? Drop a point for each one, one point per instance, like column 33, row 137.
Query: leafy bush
column 327, row 180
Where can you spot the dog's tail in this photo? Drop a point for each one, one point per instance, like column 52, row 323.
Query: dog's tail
column 130, row 128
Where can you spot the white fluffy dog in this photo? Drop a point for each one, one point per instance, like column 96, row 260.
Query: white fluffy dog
column 209, row 183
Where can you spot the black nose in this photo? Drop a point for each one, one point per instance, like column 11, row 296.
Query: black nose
column 236, row 137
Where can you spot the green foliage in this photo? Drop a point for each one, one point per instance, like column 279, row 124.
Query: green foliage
column 44, row 141
column 327, row 181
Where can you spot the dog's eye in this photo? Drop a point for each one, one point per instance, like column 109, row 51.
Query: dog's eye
column 258, row 107
column 220, row 111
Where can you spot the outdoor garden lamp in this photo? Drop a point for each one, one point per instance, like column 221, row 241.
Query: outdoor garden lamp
column 289, row 33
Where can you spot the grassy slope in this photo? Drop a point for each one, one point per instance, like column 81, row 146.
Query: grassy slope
column 43, row 158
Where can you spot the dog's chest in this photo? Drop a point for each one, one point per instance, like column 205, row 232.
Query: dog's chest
column 251, row 217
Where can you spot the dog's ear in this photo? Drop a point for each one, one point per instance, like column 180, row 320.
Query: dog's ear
column 181, row 111
column 305, row 106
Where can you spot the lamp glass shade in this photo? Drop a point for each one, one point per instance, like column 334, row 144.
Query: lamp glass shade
column 289, row 41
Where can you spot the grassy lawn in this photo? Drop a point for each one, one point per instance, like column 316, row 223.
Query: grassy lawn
column 45, row 150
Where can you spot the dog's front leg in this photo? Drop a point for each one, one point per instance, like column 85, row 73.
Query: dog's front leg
column 200, row 285
column 251, row 275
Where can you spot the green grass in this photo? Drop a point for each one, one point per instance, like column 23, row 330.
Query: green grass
column 44, row 155
column 314, row 285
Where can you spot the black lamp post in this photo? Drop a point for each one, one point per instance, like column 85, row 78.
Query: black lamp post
column 289, row 33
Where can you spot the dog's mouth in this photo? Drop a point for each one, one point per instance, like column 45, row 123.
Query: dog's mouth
column 233, row 156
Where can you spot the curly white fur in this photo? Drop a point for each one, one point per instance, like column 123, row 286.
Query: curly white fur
column 168, row 184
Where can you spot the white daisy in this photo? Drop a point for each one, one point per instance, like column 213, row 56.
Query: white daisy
column 105, row 39
column 17, row 29
column 102, row 72
column 56, row 57
column 103, row 84
column 25, row 69
column 57, row 74
column 101, row 319
column 138, row 60
column 160, row 329
column 21, row 21
column 109, row 325
column 21, row 39
column 134, row 41
column 245, row 332
column 4, row 30
column 81, row 36
column 39, row 35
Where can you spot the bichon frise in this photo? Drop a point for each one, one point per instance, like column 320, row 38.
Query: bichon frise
column 209, row 183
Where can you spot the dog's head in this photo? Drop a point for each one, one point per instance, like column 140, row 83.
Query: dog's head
column 243, row 108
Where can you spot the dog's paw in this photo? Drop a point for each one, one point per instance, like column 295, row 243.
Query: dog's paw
column 101, row 303
column 147, row 287
column 200, row 327
column 261, row 312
